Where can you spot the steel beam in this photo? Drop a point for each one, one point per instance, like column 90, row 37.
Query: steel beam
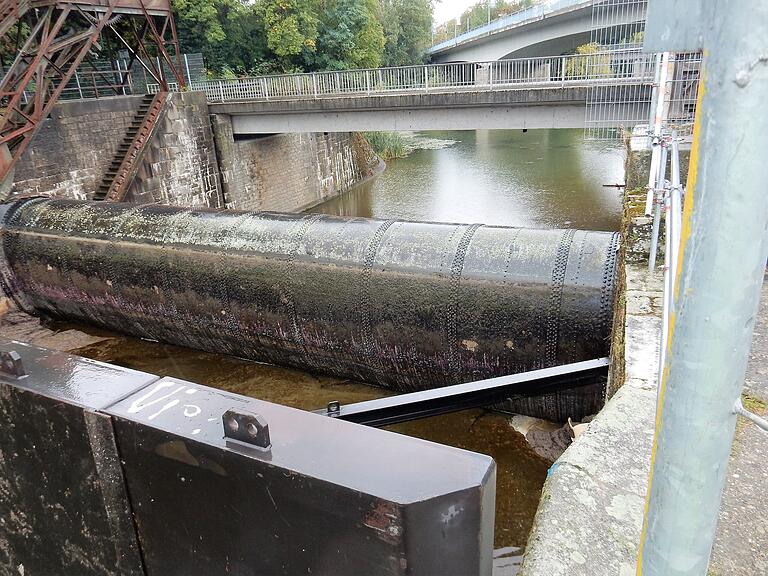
column 62, row 34
column 416, row 405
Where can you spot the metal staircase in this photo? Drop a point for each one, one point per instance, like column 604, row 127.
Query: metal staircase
column 60, row 36
column 127, row 160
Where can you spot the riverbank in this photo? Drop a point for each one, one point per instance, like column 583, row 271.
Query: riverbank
column 393, row 145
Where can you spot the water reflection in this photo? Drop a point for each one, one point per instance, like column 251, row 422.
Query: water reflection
column 540, row 178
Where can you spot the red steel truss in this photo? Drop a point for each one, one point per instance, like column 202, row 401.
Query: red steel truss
column 61, row 35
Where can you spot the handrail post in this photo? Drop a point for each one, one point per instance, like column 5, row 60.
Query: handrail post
column 368, row 82
column 562, row 70
column 426, row 79
column 79, row 88
column 490, row 76
column 265, row 88
column 221, row 90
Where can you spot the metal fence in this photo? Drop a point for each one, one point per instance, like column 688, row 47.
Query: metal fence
column 682, row 92
column 104, row 78
column 677, row 88
column 618, row 24
column 607, row 69
column 533, row 13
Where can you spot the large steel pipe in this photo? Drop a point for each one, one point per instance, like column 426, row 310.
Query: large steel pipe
column 406, row 305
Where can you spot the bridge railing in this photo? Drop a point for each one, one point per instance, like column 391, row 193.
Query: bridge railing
column 528, row 14
column 604, row 68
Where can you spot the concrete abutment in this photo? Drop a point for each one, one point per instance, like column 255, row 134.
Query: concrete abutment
column 192, row 159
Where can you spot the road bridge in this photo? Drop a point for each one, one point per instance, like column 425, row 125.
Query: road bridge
column 522, row 93
column 551, row 28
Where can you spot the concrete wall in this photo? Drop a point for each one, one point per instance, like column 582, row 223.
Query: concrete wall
column 74, row 147
column 184, row 164
column 179, row 166
column 78, row 142
column 289, row 172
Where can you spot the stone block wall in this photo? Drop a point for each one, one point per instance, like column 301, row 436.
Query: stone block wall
column 179, row 165
column 289, row 172
column 74, row 147
column 192, row 159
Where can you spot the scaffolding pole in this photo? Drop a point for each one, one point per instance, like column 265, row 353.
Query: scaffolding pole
column 718, row 280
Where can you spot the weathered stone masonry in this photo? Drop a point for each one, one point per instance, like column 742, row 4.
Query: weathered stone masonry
column 192, row 159
column 74, row 147
column 289, row 172
column 179, row 166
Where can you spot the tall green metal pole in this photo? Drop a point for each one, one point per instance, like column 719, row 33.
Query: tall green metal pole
column 717, row 289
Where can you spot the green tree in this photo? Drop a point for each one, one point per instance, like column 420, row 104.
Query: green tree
column 588, row 62
column 269, row 36
column 350, row 36
column 245, row 47
column 370, row 39
column 408, row 31
column 197, row 24
column 291, row 26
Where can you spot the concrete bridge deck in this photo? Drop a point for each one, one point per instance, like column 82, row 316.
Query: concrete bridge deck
column 552, row 27
column 547, row 92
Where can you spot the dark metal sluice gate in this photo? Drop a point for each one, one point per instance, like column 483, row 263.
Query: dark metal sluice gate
column 113, row 472
column 404, row 305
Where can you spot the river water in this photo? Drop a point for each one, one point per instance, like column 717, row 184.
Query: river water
column 542, row 178
column 538, row 179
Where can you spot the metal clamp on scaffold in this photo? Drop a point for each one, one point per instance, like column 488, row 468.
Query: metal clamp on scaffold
column 740, row 410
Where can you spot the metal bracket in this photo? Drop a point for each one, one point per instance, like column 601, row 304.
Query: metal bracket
column 247, row 427
column 11, row 365
column 760, row 422
column 334, row 408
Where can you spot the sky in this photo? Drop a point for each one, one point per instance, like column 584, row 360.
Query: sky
column 447, row 9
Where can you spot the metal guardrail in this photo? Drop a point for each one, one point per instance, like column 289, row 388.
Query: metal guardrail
column 529, row 14
column 610, row 68
column 667, row 198
column 90, row 84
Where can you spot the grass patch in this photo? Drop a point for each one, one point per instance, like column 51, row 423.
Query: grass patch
column 756, row 405
column 387, row 145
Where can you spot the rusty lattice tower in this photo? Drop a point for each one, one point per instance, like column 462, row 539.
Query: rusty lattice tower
column 51, row 38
